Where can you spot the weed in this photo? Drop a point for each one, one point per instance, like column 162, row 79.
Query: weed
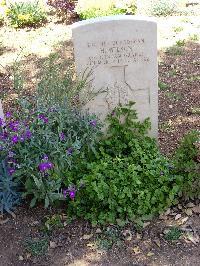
column 178, row 29
column 172, row 73
column 37, row 247
column 194, row 78
column 173, row 234
column 111, row 236
column 53, row 223
column 195, row 110
column 174, row 50
column 173, row 96
column 165, row 126
column 180, row 43
column 193, row 37
column 163, row 86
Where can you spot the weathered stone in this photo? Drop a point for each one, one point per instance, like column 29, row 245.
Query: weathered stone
column 121, row 52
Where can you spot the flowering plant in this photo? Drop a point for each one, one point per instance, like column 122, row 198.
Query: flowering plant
column 45, row 145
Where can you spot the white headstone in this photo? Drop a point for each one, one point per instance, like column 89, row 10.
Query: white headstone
column 122, row 53
column 1, row 111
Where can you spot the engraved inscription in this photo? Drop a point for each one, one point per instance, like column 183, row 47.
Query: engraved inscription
column 117, row 52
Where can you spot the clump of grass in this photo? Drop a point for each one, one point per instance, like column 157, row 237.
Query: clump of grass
column 193, row 37
column 195, row 110
column 37, row 247
column 174, row 50
column 173, row 234
column 180, row 43
column 178, row 29
column 163, row 86
column 173, row 96
column 172, row 73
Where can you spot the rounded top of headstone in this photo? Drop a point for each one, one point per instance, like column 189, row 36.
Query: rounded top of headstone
column 113, row 18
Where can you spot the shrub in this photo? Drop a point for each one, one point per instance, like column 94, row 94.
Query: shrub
column 63, row 7
column 46, row 143
column 187, row 164
column 22, row 14
column 163, row 8
column 9, row 187
column 128, row 178
column 98, row 8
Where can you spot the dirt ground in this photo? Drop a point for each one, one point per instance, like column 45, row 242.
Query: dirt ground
column 40, row 237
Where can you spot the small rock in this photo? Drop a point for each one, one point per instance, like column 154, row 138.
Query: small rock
column 196, row 209
column 178, row 216
column 166, row 231
column 184, row 220
column 150, row 254
column 188, row 212
column 98, row 231
column 146, row 224
column 157, row 241
column 86, row 237
column 170, row 106
column 28, row 255
column 21, row 258
column 190, row 205
column 52, row 244
column 35, row 223
column 167, row 212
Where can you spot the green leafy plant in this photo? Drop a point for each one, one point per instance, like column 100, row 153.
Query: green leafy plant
column 37, row 247
column 110, row 236
column 22, row 14
column 178, row 28
column 164, row 7
column 187, row 164
column 47, row 143
column 175, row 50
column 52, row 223
column 9, row 187
column 180, row 43
column 128, row 178
column 97, row 8
column 173, row 234
column 162, row 85
column 173, row 95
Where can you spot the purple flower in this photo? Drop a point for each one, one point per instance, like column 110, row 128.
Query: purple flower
column 62, row 136
column 69, row 151
column 72, row 194
column 46, row 120
column 15, row 139
column 45, row 157
column 11, row 154
column 43, row 167
column 28, row 134
column 4, row 135
column 43, row 118
column 161, row 173
column 8, row 114
column 49, row 165
column 93, row 123
column 71, row 191
column 14, row 126
column 11, row 171
column 1, row 122
column 113, row 113
column 22, row 138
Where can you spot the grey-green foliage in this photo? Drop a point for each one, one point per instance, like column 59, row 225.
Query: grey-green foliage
column 164, row 7
column 9, row 194
column 58, row 85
